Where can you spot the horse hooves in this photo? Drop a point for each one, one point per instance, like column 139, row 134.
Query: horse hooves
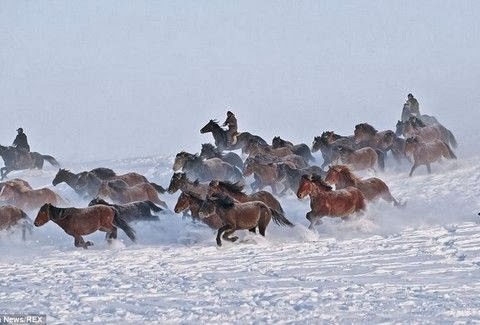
column 233, row 239
column 219, row 243
column 88, row 243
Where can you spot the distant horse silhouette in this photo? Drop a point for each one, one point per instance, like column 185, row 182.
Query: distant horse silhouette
column 209, row 151
column 372, row 188
column 81, row 222
column 180, row 181
column 16, row 160
column 301, row 149
column 135, row 211
column 28, row 199
column 326, row 202
column 120, row 192
column 11, row 216
column 186, row 201
column 206, row 170
column 425, row 153
column 220, row 136
column 236, row 216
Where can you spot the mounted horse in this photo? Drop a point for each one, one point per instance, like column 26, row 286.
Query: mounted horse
column 206, row 170
column 236, row 216
column 425, row 153
column 414, row 127
column 11, row 217
column 372, row 188
column 135, row 211
column 209, row 151
column 81, row 222
column 326, row 202
column 16, row 159
column 220, row 135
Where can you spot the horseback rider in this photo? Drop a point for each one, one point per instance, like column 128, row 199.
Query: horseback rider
column 232, row 132
column 21, row 141
column 410, row 108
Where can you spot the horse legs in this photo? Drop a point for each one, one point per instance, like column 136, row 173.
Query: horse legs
column 429, row 169
column 219, row 233
column 112, row 234
column 79, row 242
column 254, row 230
column 413, row 168
column 228, row 233
column 314, row 220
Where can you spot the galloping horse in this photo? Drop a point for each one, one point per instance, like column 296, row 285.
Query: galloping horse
column 301, row 149
column 180, row 181
column 209, row 151
column 236, row 216
column 290, row 177
column 81, row 222
column 371, row 188
column 414, row 127
column 326, row 202
column 186, row 201
column 28, row 199
column 120, row 192
column 328, row 142
column 16, row 160
column 11, row 216
column 135, row 211
column 265, row 174
column 424, row 153
column 360, row 159
column 220, row 136
column 206, row 170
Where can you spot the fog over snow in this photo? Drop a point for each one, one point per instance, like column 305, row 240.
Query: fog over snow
column 91, row 80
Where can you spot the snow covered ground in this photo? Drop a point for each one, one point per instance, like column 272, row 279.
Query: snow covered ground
column 417, row 264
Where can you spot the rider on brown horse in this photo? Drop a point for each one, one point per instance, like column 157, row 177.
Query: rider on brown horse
column 232, row 133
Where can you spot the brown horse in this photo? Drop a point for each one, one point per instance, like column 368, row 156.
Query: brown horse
column 206, row 170
column 236, row 216
column 265, row 174
column 27, row 199
column 371, row 188
column 254, row 148
column 366, row 135
column 210, row 151
column 415, row 127
column 11, row 216
column 180, row 182
column 135, row 211
column 360, row 159
column 424, row 153
column 81, row 222
column 186, row 201
column 290, row 177
column 328, row 142
column 16, row 159
column 299, row 149
column 235, row 191
column 120, row 192
column 18, row 182
column 326, row 202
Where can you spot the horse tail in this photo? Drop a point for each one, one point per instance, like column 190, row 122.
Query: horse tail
column 27, row 224
column 153, row 206
column 381, row 159
column 451, row 138
column 451, row 155
column 280, row 219
column 158, row 188
column 51, row 160
column 120, row 222
column 237, row 174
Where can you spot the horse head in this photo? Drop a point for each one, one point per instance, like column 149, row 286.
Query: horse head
column 176, row 182
column 43, row 215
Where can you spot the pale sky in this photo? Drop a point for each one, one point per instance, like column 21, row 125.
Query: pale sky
column 94, row 80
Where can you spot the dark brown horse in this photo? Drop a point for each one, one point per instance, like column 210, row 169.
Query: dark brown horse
column 11, row 216
column 372, row 188
column 220, row 136
column 326, row 202
column 81, row 222
column 290, row 176
column 186, row 201
column 236, row 216
column 206, row 170
column 16, row 159
column 360, row 159
column 28, row 199
column 180, row 182
column 265, row 174
column 328, row 142
column 425, row 153
column 366, row 135
column 119, row 191
column 135, row 211
column 235, row 191
column 301, row 149
column 209, row 151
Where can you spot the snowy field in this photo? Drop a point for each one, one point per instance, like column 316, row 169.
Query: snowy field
column 417, row 264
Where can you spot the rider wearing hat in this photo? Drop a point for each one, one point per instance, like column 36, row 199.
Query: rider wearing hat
column 232, row 133
column 410, row 108
column 21, row 140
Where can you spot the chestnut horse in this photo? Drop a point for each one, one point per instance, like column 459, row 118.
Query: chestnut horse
column 372, row 188
column 235, row 191
column 18, row 181
column 186, row 201
column 326, row 202
column 135, row 211
column 180, row 182
column 360, row 159
column 265, row 174
column 120, row 192
column 81, row 222
column 236, row 216
column 424, row 153
column 11, row 216
column 28, row 199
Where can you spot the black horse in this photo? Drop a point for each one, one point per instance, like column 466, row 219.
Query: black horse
column 220, row 136
column 135, row 211
column 18, row 159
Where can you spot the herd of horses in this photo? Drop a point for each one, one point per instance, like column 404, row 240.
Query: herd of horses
column 212, row 183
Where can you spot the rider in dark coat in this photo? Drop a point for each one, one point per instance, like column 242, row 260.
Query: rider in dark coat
column 21, row 140
column 232, row 132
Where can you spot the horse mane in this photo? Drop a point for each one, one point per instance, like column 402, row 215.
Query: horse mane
column 367, row 128
column 318, row 180
column 98, row 200
column 346, row 173
column 236, row 187
column 224, row 201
